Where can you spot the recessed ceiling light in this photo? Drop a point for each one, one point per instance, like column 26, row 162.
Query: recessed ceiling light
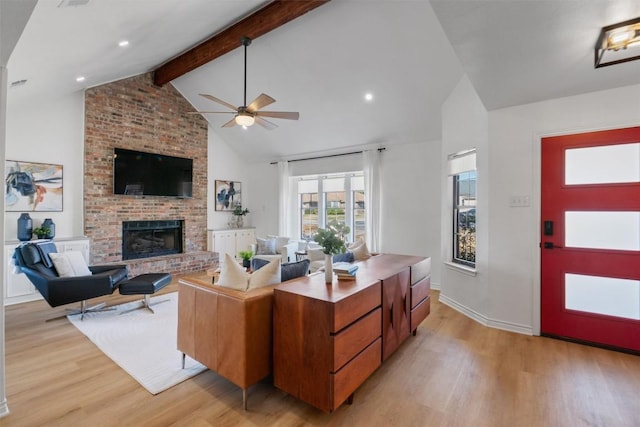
column 244, row 127
column 368, row 96
column 123, row 43
column 80, row 79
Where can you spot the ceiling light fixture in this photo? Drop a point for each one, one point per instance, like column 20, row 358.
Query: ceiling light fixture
column 368, row 97
column 618, row 43
column 244, row 119
column 123, row 43
column 80, row 79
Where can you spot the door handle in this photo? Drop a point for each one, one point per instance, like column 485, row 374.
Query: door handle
column 550, row 245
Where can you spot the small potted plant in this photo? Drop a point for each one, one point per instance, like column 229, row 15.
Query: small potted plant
column 246, row 258
column 42, row 232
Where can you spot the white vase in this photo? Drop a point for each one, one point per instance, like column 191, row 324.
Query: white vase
column 328, row 268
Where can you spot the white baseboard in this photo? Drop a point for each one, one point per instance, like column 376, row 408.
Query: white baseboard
column 435, row 286
column 484, row 320
column 4, row 408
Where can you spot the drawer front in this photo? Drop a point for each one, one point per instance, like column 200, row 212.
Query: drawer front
column 420, row 313
column 357, row 305
column 420, row 270
column 353, row 374
column 420, row 291
column 356, row 337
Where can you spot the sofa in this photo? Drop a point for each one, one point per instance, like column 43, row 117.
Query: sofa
column 230, row 330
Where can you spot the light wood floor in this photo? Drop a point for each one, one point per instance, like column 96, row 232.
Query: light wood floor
column 455, row 372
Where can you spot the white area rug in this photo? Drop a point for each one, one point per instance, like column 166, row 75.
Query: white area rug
column 142, row 343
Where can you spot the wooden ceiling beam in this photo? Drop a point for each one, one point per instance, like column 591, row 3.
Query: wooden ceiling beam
column 270, row 17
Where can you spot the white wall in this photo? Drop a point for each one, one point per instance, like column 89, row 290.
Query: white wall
column 506, row 291
column 50, row 131
column 4, row 408
column 464, row 126
column 515, row 134
column 410, row 177
column 264, row 202
column 224, row 164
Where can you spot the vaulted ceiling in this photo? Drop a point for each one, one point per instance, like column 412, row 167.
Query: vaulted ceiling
column 408, row 53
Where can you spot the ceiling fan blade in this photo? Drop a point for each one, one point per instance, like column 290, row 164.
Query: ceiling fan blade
column 219, row 101
column 265, row 123
column 210, row 112
column 261, row 101
column 231, row 123
column 289, row 115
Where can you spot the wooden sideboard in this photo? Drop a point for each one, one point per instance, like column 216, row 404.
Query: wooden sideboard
column 329, row 338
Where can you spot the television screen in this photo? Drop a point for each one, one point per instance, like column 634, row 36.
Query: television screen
column 147, row 174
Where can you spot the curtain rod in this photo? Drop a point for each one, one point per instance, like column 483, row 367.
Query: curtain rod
column 380, row 150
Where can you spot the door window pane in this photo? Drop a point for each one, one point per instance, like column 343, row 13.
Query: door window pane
column 603, row 230
column 602, row 165
column 603, row 295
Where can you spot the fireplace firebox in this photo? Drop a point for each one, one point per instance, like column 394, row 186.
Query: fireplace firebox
column 144, row 239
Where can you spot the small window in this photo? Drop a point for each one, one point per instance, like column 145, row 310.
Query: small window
column 463, row 173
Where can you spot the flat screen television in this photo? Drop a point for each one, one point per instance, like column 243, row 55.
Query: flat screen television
column 148, row 174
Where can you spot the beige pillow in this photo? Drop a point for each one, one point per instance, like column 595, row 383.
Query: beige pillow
column 233, row 275
column 355, row 244
column 360, row 252
column 265, row 276
column 70, row 264
column 315, row 255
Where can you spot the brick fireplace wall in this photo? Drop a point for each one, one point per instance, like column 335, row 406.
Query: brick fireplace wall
column 135, row 114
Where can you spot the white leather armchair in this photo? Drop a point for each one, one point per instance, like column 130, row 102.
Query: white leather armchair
column 287, row 253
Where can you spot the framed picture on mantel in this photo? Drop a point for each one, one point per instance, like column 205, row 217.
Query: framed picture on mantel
column 32, row 187
column 228, row 195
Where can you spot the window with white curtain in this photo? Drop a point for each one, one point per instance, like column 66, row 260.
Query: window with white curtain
column 462, row 170
column 336, row 197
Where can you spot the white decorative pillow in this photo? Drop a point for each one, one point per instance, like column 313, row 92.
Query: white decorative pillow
column 355, row 244
column 281, row 241
column 315, row 255
column 265, row 246
column 70, row 264
column 360, row 252
column 265, row 276
column 232, row 274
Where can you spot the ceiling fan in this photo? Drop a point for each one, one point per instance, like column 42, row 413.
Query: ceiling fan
column 247, row 115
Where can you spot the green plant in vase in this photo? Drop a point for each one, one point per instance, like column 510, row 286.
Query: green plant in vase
column 238, row 215
column 246, row 258
column 332, row 241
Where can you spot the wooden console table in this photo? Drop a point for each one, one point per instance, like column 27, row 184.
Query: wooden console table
column 328, row 339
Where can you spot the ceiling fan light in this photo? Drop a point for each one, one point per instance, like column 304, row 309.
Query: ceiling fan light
column 245, row 120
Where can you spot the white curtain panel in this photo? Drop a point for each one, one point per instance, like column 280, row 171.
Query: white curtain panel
column 284, row 199
column 373, row 197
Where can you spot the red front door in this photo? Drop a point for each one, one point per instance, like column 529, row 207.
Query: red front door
column 590, row 237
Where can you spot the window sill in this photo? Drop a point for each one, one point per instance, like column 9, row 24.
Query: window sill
column 469, row 271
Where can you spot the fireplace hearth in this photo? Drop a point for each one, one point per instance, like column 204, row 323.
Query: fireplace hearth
column 145, row 239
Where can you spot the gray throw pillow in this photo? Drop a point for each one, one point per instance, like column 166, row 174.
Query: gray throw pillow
column 265, row 246
column 345, row 257
column 257, row 263
column 293, row 270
